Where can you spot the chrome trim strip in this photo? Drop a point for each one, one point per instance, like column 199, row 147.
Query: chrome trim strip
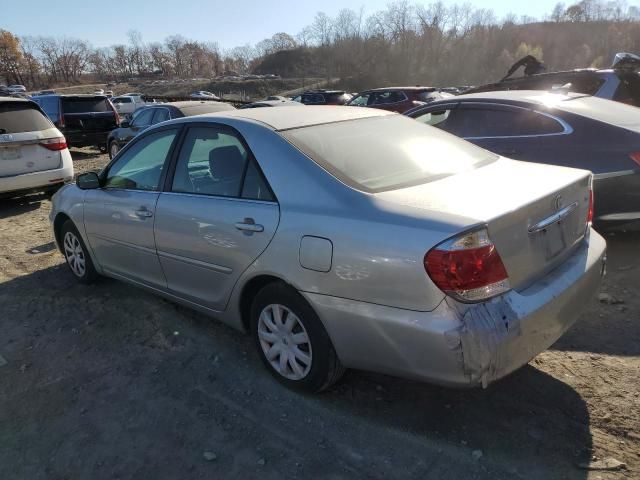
column 555, row 218
column 197, row 263
column 220, row 197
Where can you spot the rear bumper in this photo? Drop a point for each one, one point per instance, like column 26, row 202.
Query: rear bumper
column 35, row 181
column 86, row 139
column 464, row 345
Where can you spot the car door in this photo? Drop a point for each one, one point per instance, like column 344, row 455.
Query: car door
column 119, row 216
column 215, row 217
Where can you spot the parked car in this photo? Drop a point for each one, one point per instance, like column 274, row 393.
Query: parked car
column 109, row 93
column 155, row 113
column 127, row 104
column 33, row 153
column 570, row 129
column 272, row 103
column 203, row 95
column 366, row 251
column 397, row 99
column 99, row 91
column 325, row 97
column 620, row 82
column 85, row 120
column 17, row 88
column 47, row 92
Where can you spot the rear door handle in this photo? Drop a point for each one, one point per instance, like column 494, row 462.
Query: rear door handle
column 249, row 225
column 144, row 213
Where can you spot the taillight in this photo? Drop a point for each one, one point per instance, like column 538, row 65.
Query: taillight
column 468, row 267
column 635, row 156
column 590, row 211
column 55, row 144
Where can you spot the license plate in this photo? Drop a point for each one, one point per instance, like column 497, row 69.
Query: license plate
column 554, row 240
column 9, row 153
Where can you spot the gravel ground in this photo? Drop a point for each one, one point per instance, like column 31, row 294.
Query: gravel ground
column 107, row 381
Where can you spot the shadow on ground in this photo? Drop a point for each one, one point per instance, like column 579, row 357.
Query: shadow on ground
column 107, row 381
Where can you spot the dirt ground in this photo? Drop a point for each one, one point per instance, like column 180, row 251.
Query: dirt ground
column 109, row 382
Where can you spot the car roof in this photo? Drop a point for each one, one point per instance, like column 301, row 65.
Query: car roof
column 408, row 89
column 278, row 103
column 195, row 107
column 595, row 108
column 14, row 99
column 289, row 118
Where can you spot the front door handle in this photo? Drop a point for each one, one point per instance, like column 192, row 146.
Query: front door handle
column 249, row 225
column 144, row 213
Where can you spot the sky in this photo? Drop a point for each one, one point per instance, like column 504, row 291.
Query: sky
column 230, row 23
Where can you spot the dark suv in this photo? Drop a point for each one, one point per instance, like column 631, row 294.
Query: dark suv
column 84, row 120
column 325, row 97
column 620, row 83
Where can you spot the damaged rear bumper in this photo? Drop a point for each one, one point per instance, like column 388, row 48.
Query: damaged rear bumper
column 465, row 345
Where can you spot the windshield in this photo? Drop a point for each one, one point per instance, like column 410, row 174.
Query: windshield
column 386, row 153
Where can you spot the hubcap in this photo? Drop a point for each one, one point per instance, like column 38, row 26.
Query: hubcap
column 284, row 341
column 75, row 254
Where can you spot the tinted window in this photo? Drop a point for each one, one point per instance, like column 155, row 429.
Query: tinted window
column 212, row 162
column 82, row 105
column 313, row 98
column 474, row 122
column 143, row 119
column 17, row 117
column 161, row 115
column 122, row 100
column 140, row 166
column 384, row 153
column 433, row 117
column 380, row 98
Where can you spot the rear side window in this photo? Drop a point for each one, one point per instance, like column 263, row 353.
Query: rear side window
column 18, row 117
column 487, row 122
column 385, row 153
column 161, row 115
column 84, row 105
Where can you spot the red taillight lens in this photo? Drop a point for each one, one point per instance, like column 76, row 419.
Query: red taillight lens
column 54, row 144
column 590, row 211
column 635, row 156
column 468, row 267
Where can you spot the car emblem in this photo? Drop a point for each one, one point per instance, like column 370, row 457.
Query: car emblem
column 6, row 138
column 557, row 202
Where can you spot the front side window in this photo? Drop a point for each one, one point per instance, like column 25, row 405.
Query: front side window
column 140, row 166
column 143, row 119
column 382, row 98
column 161, row 115
column 360, row 100
column 214, row 161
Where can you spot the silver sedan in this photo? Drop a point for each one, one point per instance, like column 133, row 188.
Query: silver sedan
column 343, row 238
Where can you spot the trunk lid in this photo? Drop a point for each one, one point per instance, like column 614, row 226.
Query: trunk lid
column 23, row 154
column 535, row 214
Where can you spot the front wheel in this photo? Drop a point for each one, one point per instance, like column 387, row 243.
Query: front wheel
column 113, row 149
column 292, row 341
column 76, row 254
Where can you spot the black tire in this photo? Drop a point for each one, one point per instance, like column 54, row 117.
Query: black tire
column 114, row 148
column 68, row 237
column 325, row 368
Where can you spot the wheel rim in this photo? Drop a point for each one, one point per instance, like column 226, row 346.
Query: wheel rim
column 113, row 150
column 75, row 254
column 284, row 341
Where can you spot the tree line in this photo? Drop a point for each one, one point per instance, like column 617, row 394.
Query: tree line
column 436, row 44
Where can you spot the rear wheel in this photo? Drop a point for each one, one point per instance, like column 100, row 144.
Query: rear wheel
column 113, row 149
column 76, row 254
column 292, row 341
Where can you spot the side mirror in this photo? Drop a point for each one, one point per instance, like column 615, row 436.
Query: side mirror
column 88, row 181
column 124, row 124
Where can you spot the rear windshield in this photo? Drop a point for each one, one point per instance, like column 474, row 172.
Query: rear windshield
column 83, row 105
column 386, row 153
column 614, row 113
column 18, row 117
